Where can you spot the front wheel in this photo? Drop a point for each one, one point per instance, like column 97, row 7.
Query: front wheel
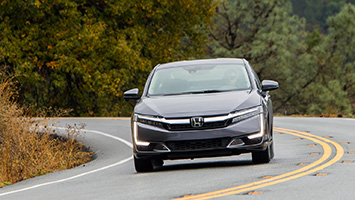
column 263, row 156
column 143, row 165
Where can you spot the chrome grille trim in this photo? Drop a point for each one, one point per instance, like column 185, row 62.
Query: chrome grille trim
column 206, row 119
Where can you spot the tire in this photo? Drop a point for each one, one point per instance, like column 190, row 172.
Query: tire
column 265, row 156
column 143, row 165
column 272, row 153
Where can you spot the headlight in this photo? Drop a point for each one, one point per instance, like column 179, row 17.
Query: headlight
column 245, row 114
column 261, row 132
column 135, row 134
column 149, row 120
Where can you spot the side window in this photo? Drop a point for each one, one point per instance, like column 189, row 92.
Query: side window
column 256, row 79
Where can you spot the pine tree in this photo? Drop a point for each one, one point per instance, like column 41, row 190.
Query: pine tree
column 264, row 33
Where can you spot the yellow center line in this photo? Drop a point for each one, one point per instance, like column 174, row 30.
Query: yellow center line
column 287, row 176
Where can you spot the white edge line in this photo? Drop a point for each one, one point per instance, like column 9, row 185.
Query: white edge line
column 82, row 174
column 111, row 136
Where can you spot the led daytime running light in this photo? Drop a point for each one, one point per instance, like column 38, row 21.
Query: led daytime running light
column 147, row 120
column 245, row 115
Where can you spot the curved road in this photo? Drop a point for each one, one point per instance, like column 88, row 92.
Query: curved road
column 314, row 159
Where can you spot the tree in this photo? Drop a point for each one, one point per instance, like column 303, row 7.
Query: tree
column 329, row 89
column 336, row 57
column 270, row 38
column 82, row 54
column 317, row 12
column 315, row 71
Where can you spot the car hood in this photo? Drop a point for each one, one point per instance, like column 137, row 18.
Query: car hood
column 189, row 105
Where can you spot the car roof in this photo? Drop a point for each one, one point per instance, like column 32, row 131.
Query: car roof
column 202, row 61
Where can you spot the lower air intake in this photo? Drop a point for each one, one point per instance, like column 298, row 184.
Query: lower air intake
column 195, row 145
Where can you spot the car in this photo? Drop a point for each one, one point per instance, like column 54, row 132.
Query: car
column 201, row 108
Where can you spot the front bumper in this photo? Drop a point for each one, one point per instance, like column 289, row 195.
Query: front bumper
column 242, row 137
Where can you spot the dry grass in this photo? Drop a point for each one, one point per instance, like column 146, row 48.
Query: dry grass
column 27, row 149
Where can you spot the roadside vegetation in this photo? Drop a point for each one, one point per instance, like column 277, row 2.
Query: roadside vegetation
column 28, row 147
column 83, row 54
column 315, row 68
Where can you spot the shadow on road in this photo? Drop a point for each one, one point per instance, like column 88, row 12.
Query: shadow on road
column 201, row 165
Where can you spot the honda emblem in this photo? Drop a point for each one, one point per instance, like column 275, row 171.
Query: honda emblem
column 196, row 122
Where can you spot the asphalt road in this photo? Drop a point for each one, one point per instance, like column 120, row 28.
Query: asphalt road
column 314, row 159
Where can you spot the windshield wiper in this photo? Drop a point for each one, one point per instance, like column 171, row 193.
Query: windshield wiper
column 203, row 91
column 213, row 91
column 195, row 92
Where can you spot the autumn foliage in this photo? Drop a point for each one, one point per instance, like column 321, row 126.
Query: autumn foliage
column 83, row 54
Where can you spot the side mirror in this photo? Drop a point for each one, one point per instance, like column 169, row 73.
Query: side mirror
column 131, row 95
column 268, row 85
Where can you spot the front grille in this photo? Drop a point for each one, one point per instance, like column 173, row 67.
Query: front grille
column 210, row 125
column 195, row 145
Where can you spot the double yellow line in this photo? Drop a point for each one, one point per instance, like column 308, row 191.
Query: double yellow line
column 320, row 164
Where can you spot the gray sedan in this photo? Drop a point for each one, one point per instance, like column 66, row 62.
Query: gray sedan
column 201, row 108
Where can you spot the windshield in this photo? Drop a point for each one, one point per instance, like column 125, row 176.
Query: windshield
column 199, row 79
